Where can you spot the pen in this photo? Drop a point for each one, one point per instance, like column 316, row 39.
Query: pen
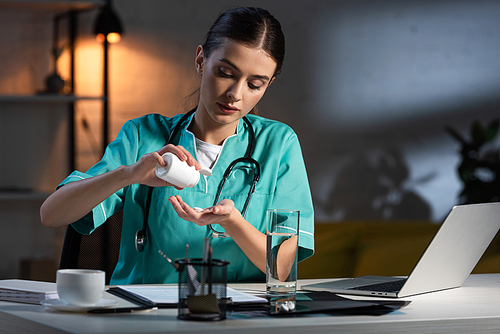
column 186, row 254
column 210, row 270
column 123, row 310
column 206, row 249
column 168, row 259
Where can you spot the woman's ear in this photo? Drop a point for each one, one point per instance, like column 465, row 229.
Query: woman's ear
column 199, row 60
column 271, row 81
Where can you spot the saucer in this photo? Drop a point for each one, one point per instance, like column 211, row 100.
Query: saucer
column 62, row 306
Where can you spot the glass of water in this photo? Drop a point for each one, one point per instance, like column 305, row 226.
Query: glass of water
column 281, row 256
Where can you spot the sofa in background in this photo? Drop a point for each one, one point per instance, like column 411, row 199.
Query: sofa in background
column 388, row 248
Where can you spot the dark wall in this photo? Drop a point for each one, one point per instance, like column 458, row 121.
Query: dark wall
column 369, row 87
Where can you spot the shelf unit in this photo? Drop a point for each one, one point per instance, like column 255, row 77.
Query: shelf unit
column 22, row 196
column 48, row 98
column 67, row 9
column 33, row 127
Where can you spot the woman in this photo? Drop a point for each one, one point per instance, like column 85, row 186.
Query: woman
column 242, row 55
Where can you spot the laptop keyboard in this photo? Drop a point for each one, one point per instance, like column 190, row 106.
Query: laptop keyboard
column 392, row 286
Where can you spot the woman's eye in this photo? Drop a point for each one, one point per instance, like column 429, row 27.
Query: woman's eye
column 252, row 86
column 224, row 73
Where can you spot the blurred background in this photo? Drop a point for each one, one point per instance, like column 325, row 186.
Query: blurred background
column 370, row 87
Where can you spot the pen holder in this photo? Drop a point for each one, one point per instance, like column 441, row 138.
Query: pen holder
column 202, row 289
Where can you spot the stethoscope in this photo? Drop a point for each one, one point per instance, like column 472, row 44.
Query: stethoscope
column 140, row 235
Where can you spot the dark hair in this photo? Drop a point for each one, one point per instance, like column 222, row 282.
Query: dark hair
column 253, row 26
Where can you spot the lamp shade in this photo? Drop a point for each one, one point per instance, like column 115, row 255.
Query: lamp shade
column 108, row 22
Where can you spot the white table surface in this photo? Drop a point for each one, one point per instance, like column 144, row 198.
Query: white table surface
column 473, row 308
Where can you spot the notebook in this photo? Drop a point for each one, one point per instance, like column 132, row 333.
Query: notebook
column 25, row 291
column 448, row 260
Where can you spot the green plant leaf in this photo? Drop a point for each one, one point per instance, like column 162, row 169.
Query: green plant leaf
column 478, row 133
column 492, row 130
column 455, row 134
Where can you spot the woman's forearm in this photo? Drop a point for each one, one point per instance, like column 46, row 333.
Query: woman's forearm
column 254, row 244
column 76, row 199
column 250, row 240
column 73, row 201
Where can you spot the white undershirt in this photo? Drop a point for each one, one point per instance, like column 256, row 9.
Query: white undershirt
column 206, row 154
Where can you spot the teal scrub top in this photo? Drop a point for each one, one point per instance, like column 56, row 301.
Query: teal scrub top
column 283, row 184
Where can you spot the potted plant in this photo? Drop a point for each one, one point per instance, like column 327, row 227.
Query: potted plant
column 479, row 169
column 54, row 82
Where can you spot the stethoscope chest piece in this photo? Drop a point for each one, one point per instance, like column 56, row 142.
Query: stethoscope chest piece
column 140, row 241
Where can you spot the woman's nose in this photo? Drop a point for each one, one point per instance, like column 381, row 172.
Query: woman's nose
column 235, row 92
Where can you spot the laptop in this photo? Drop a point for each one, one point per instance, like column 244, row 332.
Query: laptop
column 448, row 260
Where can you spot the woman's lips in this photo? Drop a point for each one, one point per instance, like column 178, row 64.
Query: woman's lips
column 227, row 109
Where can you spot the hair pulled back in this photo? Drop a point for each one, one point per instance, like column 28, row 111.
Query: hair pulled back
column 253, row 26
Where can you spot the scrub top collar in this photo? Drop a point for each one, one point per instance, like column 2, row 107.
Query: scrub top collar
column 238, row 128
column 188, row 132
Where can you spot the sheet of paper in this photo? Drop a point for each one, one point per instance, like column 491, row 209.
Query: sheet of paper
column 170, row 294
column 28, row 286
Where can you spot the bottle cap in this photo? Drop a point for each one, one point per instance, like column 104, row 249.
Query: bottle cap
column 205, row 171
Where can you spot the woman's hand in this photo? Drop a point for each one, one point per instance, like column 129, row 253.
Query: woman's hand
column 143, row 171
column 221, row 214
column 76, row 199
column 250, row 240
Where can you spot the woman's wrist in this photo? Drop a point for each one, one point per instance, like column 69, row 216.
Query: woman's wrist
column 123, row 176
column 232, row 221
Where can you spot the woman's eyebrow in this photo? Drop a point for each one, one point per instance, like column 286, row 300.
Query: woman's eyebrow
column 262, row 77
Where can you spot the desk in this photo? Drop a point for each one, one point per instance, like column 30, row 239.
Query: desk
column 473, row 308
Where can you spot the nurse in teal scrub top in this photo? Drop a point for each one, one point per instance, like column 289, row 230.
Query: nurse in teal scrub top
column 242, row 55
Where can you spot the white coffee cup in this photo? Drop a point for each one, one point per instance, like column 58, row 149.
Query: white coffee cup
column 80, row 287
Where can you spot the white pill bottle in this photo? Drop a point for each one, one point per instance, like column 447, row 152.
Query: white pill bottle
column 178, row 172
